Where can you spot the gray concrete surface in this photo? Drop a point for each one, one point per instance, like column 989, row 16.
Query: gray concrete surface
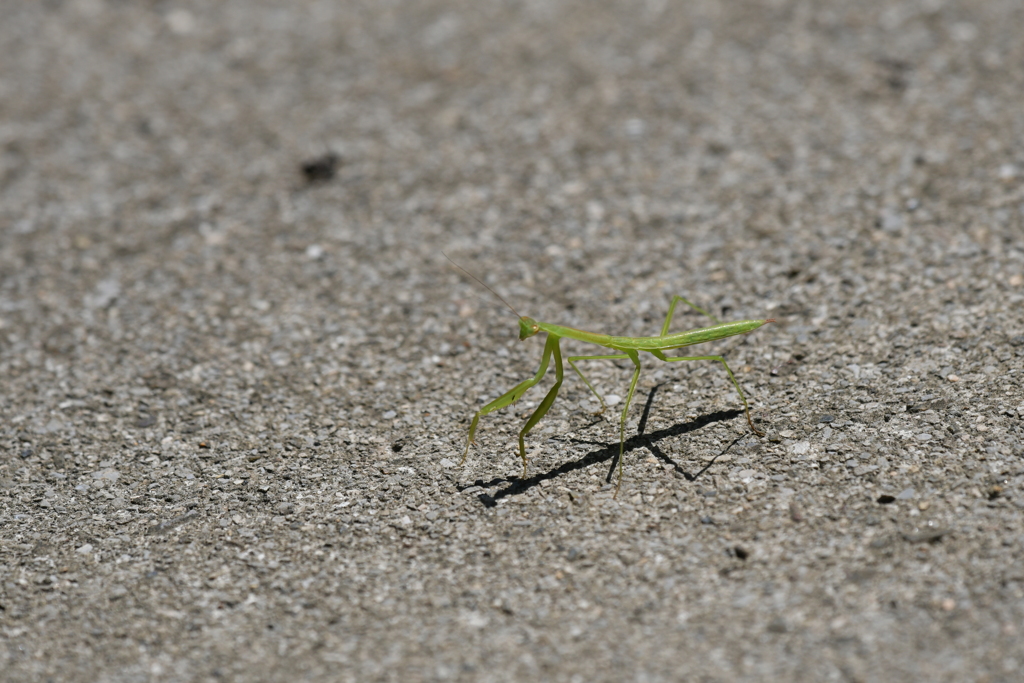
column 235, row 395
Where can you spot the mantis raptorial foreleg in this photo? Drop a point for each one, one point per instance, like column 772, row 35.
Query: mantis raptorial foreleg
column 545, row 405
column 732, row 377
column 510, row 397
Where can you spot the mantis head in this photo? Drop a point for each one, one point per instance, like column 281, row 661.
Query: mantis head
column 527, row 327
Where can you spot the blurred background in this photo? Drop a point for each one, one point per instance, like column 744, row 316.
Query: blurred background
column 237, row 370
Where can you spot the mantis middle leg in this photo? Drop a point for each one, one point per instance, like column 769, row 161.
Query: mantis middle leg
column 635, row 357
column 509, row 397
column 572, row 361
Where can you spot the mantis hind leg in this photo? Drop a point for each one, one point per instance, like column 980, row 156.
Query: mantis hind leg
column 572, row 361
column 517, row 391
column 635, row 357
column 746, row 408
column 672, row 310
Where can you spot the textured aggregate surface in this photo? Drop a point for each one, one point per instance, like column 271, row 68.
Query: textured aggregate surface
column 237, row 373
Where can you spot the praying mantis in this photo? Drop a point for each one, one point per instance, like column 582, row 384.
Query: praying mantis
column 627, row 348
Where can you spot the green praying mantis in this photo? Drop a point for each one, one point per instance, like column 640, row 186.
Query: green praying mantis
column 627, row 348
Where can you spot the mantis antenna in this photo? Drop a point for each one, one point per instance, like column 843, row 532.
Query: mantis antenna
column 483, row 284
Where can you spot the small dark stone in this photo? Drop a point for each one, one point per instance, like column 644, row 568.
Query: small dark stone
column 320, row 169
column 885, row 499
column 1018, row 340
column 145, row 421
column 741, row 553
column 706, row 520
column 826, row 418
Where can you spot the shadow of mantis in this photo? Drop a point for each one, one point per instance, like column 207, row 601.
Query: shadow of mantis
column 518, row 485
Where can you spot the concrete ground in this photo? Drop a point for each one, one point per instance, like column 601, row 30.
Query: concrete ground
column 237, row 373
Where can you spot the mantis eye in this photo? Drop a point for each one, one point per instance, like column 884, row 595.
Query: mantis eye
column 536, row 328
